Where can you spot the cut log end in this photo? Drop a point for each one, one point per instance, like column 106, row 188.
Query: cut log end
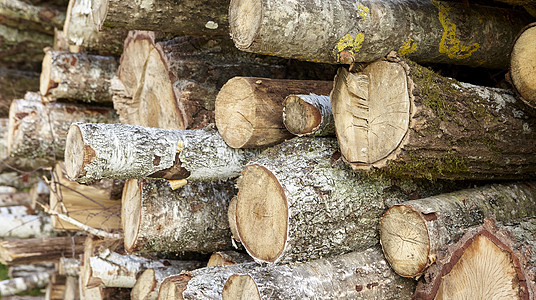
column 376, row 102
column 260, row 190
column 240, row 287
column 523, row 65
column 173, row 286
column 305, row 116
column 45, row 82
column 131, row 213
column 75, row 156
column 244, row 21
column 145, row 285
column 405, row 242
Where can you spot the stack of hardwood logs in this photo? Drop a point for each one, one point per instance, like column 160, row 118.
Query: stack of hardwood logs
column 311, row 156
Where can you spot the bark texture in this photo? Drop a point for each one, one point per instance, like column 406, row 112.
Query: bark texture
column 22, row 284
column 412, row 232
column 311, row 114
column 489, row 261
column 27, row 270
column 347, row 31
column 77, row 76
column 39, row 250
column 190, row 219
column 19, row 222
column 13, row 85
column 249, row 110
column 522, row 65
column 406, row 120
column 281, row 190
column 38, row 131
column 95, row 151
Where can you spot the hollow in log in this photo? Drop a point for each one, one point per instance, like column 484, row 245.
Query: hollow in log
column 311, row 114
column 522, row 65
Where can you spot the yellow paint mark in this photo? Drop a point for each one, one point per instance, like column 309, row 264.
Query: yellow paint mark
column 363, row 11
column 350, row 44
column 450, row 44
column 408, row 47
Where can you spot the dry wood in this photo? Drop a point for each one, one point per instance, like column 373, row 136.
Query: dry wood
column 20, row 222
column 522, row 64
column 71, row 288
column 98, row 205
column 249, row 110
column 225, row 258
column 77, row 76
column 38, row 131
column 12, row 199
column 68, row 266
column 406, row 120
column 95, row 151
column 39, row 250
column 347, row 31
column 308, row 115
column 412, row 232
column 13, row 85
column 489, row 262
column 56, row 287
column 278, row 216
column 22, row 284
column 190, row 219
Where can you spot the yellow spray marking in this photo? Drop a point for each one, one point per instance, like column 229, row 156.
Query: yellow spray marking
column 408, row 47
column 349, row 43
column 449, row 43
column 363, row 11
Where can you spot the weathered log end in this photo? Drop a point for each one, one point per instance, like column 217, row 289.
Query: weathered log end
column 130, row 213
column 522, row 65
column 244, row 35
column 145, row 285
column 76, row 157
column 404, row 240
column 377, row 105
column 240, row 287
column 260, row 190
column 299, row 116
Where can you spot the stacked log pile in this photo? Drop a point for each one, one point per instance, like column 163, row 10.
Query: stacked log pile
column 315, row 154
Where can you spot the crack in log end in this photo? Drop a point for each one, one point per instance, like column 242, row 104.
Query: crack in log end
column 89, row 155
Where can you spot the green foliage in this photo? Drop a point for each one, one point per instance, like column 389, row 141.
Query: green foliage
column 3, row 272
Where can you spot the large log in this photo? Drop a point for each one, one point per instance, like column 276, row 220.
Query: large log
column 489, row 262
column 39, row 250
column 407, row 120
column 20, row 222
column 191, row 219
column 77, row 76
column 249, row 110
column 412, row 232
column 278, row 215
column 311, row 114
column 95, row 151
column 180, row 18
column 347, row 31
column 522, row 65
column 13, row 85
column 38, row 130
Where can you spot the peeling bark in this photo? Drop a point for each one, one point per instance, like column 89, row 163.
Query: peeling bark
column 39, row 250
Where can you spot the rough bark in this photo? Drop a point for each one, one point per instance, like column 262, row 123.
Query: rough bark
column 77, row 76
column 22, row 284
column 345, row 31
column 522, row 65
column 406, row 120
column 95, row 151
column 39, row 250
column 97, row 205
column 197, row 18
column 190, row 219
column 13, row 85
column 412, row 232
column 249, row 110
column 38, row 131
column 311, row 114
column 490, row 261
column 281, row 188
column 12, row 199
column 225, row 258
column 68, row 266
column 19, row 222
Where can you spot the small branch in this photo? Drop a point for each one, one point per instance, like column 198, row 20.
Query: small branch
column 94, row 231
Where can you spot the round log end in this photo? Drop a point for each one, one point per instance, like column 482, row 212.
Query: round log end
column 75, row 156
column 300, row 117
column 173, row 286
column 145, row 284
column 234, row 115
column 523, row 65
column 45, row 82
column 261, row 214
column 371, row 110
column 404, row 239
column 240, row 287
column 131, row 213
column 244, row 21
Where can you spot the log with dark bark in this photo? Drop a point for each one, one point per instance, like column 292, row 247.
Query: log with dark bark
column 346, row 31
column 77, row 76
column 191, row 219
column 226, row 258
column 39, row 250
column 412, row 232
column 407, row 120
column 529, row 5
column 180, row 18
column 249, row 110
column 278, row 216
column 13, row 85
column 308, row 115
column 95, row 151
column 38, row 131
column 489, row 262
column 522, row 65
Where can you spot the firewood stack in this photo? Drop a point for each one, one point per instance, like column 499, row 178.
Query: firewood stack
column 331, row 149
